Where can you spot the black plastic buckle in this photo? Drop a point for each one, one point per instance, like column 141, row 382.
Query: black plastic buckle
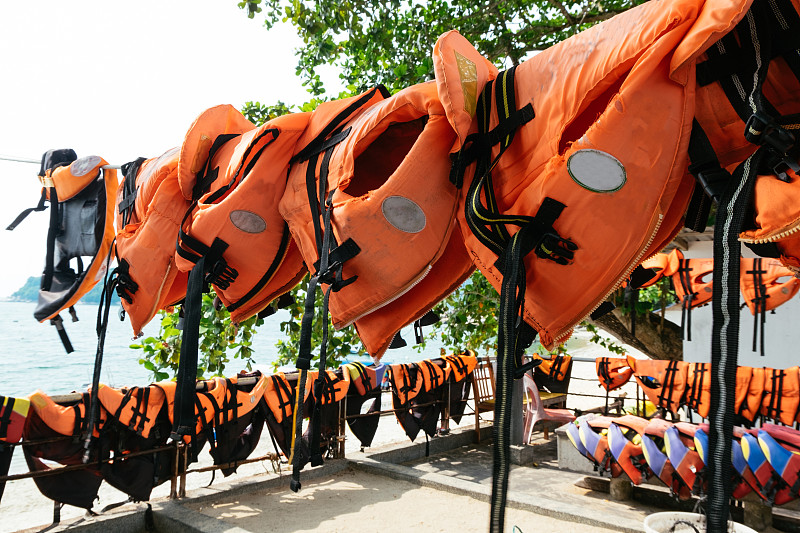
column 551, row 246
column 762, row 130
column 221, row 275
column 714, row 180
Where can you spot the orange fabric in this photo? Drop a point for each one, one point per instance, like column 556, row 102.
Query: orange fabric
column 253, row 167
column 663, row 382
column 781, row 394
column 61, row 418
column 71, row 179
column 279, row 396
column 363, row 378
column 587, row 92
column 147, row 243
column 743, row 376
column 556, row 367
column 392, row 196
column 404, row 386
column 778, row 283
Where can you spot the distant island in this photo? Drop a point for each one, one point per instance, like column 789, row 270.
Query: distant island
column 30, row 293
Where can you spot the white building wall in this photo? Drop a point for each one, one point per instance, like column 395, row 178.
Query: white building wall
column 782, row 329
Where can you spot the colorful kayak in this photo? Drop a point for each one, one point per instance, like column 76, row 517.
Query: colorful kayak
column 770, row 483
column 686, row 461
column 625, row 443
column 593, row 434
column 785, row 462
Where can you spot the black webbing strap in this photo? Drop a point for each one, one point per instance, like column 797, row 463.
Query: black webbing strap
column 774, row 407
column 93, row 416
column 185, row 391
column 693, row 396
column 759, row 302
column 58, row 323
column 436, row 379
column 129, row 189
column 52, row 232
column 710, row 176
column 126, row 287
column 684, row 276
column 725, row 337
column 207, row 174
column 22, row 216
column 219, row 193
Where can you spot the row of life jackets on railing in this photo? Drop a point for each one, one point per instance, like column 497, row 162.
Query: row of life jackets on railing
column 420, row 389
column 761, row 393
column 765, row 284
column 230, row 415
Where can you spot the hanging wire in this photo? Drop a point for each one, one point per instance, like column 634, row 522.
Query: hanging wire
column 38, row 161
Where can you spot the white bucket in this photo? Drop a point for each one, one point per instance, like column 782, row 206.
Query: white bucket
column 674, row 522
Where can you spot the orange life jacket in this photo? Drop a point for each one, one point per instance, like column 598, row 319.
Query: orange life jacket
column 459, row 368
column 754, row 397
column 461, row 365
column 698, row 388
column 151, row 206
column 623, row 68
column 417, row 392
column 364, row 389
column 613, row 372
column 363, row 379
column 693, row 286
column 381, row 192
column 663, row 382
column 80, row 234
column 781, row 396
column 743, row 376
column 137, row 420
column 553, row 374
column 235, row 174
column 765, row 284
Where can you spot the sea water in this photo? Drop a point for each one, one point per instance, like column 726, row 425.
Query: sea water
column 34, row 358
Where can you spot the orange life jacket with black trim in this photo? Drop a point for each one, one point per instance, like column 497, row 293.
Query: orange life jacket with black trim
column 417, row 390
column 137, row 420
column 613, row 372
column 585, row 164
column 663, row 382
column 553, row 374
column 150, row 208
column 781, row 396
column 693, row 286
column 48, row 420
column 362, row 419
column 459, row 369
column 235, row 174
column 698, row 388
column 765, row 284
column 80, row 235
column 381, row 191
column 753, row 394
column 232, row 415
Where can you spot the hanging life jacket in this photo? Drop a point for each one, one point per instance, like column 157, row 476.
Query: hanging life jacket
column 137, row 421
column 80, row 235
column 417, row 390
column 765, row 285
column 693, row 286
column 234, row 183
column 613, row 372
column 235, row 174
column 149, row 210
column 380, row 192
column 363, row 402
column 61, row 428
column 554, row 374
column 459, row 371
column 781, row 396
column 663, row 382
column 750, row 398
column 698, row 388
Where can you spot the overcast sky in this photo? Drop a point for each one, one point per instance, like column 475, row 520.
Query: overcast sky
column 119, row 80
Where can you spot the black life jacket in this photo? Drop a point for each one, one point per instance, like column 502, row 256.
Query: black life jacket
column 363, row 402
column 554, row 375
column 13, row 413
